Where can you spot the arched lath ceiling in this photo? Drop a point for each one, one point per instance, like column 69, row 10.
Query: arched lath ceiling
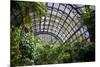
column 62, row 21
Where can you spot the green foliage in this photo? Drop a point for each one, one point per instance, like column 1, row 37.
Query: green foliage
column 31, row 7
column 83, row 51
column 25, row 9
column 27, row 22
column 87, row 15
column 58, row 53
column 22, row 46
column 50, row 54
column 27, row 50
column 15, row 45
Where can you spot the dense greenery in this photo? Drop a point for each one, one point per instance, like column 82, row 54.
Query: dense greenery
column 88, row 17
column 15, row 42
column 58, row 53
column 21, row 12
column 27, row 50
column 50, row 54
column 83, row 51
column 22, row 40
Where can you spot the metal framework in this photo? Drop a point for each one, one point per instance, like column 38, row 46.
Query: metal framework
column 63, row 22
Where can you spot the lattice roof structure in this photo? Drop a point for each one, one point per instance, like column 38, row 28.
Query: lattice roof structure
column 63, row 23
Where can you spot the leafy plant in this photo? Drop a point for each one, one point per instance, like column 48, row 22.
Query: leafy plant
column 87, row 15
column 83, row 51
column 26, row 48
column 22, row 43
column 23, row 10
column 50, row 54
column 32, row 52
column 22, row 47
column 15, row 45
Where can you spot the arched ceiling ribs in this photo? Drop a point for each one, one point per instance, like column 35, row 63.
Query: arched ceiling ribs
column 50, row 33
column 62, row 21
